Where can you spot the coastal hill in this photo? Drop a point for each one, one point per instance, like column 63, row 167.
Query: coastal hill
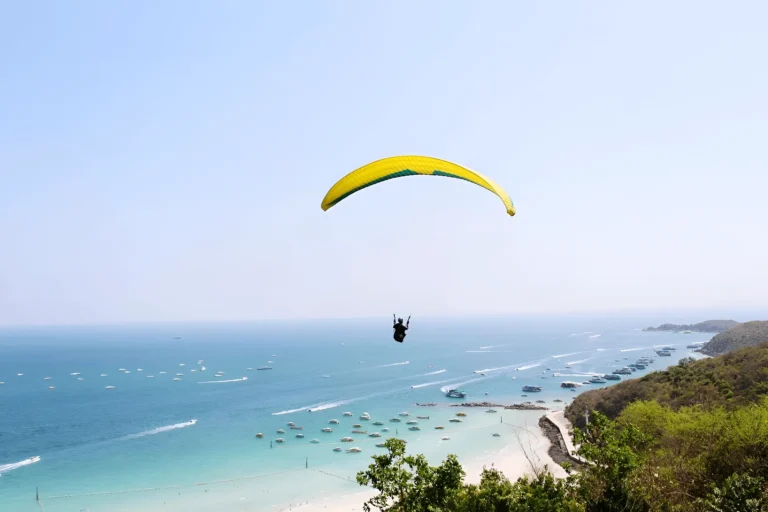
column 706, row 326
column 730, row 380
column 747, row 334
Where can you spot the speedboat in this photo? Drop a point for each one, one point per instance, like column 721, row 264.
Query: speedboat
column 259, row 435
column 412, row 422
column 176, row 378
column 142, row 369
column 346, row 439
column 395, row 420
column 337, row 449
column 347, row 414
column 103, row 375
column 377, row 423
column 403, row 414
column 279, row 440
column 612, row 376
column 264, row 368
column 109, row 387
column 445, row 438
column 385, row 430
column 354, row 450
column 455, row 393
column 291, row 424
column 334, row 422
column 439, row 427
column 496, row 434
column 280, row 431
column 571, row 385
column 327, row 430
column 597, row 380
column 531, row 389
column 461, row 414
column 414, row 428
column 365, row 416
column 75, row 374
column 179, row 374
column 51, row 387
column 374, row 434
column 422, row 417
column 381, row 445
column 357, row 425
column 315, row 441
column 359, row 431
column 48, row 378
column 249, row 369
column 491, row 410
column 455, row 420
column 299, row 436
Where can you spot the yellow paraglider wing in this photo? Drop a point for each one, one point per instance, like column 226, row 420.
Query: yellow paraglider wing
column 399, row 166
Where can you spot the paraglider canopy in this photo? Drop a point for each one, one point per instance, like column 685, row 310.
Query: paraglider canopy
column 400, row 166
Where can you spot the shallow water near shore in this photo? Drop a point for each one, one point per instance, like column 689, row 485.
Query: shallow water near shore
column 96, row 443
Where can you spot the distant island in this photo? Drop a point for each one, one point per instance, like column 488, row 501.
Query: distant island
column 748, row 334
column 707, row 326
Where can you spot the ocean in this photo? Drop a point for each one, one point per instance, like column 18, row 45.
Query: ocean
column 155, row 443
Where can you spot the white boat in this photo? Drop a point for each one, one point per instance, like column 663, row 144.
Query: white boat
column 346, row 439
column 315, row 441
column 182, row 364
column 51, row 387
column 403, row 414
column 445, row 438
column 280, row 431
column 200, row 362
column 127, row 371
column 139, row 369
column 202, row 368
column 327, row 429
column 2, row 382
column 79, row 378
column 279, row 440
column 75, row 374
column 161, row 373
column 103, row 375
column 337, row 449
column 385, row 430
column 374, row 434
column 347, row 414
column 354, row 450
column 299, row 436
column 48, row 378
column 150, row 376
column 193, row 371
column 109, row 387
column 121, row 369
column 249, row 369
column 179, row 374
column 176, row 378
column 334, row 422
column 291, row 424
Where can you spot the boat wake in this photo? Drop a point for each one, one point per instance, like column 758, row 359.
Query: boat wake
column 566, row 355
column 393, row 364
column 633, row 349
column 579, row 361
column 160, row 430
column 417, row 386
column 595, row 336
column 575, row 374
column 435, row 373
column 526, row 367
column 223, row 381
column 4, row 468
column 449, row 387
column 581, row 333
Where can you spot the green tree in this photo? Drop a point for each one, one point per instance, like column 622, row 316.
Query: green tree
column 739, row 493
column 408, row 483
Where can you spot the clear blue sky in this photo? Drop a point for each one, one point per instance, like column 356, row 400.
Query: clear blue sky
column 165, row 160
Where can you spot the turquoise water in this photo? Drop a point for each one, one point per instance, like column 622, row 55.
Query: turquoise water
column 141, row 434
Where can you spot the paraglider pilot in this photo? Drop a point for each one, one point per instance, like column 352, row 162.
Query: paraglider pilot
column 400, row 328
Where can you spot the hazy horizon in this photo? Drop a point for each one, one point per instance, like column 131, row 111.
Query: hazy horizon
column 166, row 162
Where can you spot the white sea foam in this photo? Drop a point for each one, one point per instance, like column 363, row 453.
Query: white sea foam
column 4, row 468
column 160, row 430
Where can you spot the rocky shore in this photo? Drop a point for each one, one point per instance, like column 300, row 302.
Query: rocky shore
column 488, row 405
column 558, row 450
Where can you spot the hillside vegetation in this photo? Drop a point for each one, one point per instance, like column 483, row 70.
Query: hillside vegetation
column 748, row 334
column 706, row 326
column 736, row 378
